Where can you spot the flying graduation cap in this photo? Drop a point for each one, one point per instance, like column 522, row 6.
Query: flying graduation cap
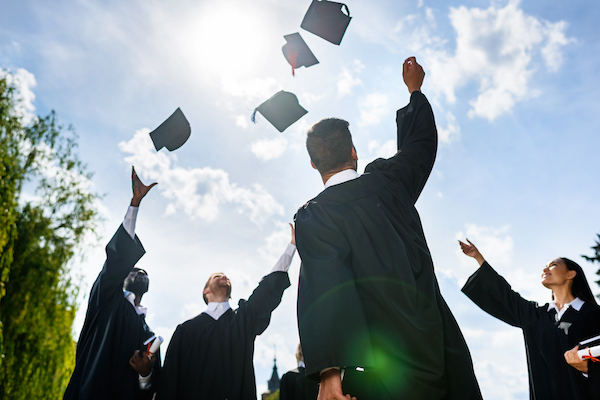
column 172, row 133
column 297, row 52
column 281, row 110
column 327, row 20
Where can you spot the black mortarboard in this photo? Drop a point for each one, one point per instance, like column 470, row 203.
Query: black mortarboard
column 326, row 19
column 297, row 53
column 172, row 133
column 281, row 110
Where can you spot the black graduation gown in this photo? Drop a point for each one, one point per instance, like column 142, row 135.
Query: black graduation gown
column 368, row 295
column 213, row 359
column 294, row 385
column 112, row 331
column 550, row 377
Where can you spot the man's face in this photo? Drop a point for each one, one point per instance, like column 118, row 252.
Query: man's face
column 137, row 282
column 218, row 284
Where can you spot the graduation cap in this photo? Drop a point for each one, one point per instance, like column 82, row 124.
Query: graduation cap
column 281, row 110
column 327, row 20
column 297, row 52
column 172, row 133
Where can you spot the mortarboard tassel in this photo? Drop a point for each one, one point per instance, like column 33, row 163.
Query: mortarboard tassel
column 293, row 57
column 253, row 117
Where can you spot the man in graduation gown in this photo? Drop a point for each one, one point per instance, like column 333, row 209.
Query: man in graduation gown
column 294, row 384
column 368, row 297
column 211, row 356
column 108, row 363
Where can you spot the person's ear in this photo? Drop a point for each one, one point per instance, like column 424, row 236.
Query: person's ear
column 312, row 164
column 206, row 291
column 571, row 274
column 354, row 155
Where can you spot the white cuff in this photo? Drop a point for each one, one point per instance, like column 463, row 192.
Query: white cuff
column 129, row 221
column 284, row 262
column 145, row 381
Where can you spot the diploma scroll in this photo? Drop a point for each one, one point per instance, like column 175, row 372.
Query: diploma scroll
column 152, row 345
column 589, row 353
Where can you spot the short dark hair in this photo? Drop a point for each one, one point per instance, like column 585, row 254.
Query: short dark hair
column 329, row 144
column 580, row 287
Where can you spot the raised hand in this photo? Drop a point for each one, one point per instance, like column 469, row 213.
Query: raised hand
column 471, row 251
column 139, row 189
column 413, row 74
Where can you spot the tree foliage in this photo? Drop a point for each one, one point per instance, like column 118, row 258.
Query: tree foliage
column 596, row 257
column 39, row 234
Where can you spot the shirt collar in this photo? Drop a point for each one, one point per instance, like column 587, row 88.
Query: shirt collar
column 577, row 303
column 215, row 309
column 341, row 177
column 301, row 364
column 130, row 296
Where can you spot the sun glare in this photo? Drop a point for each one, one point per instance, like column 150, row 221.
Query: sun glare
column 229, row 39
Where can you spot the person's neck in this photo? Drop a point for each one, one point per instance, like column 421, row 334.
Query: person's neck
column 562, row 296
column 328, row 175
column 138, row 300
column 217, row 299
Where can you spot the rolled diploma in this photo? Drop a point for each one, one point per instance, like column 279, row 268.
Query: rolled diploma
column 155, row 345
column 589, row 352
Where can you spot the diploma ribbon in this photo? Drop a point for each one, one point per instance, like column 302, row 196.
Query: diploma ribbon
column 589, row 356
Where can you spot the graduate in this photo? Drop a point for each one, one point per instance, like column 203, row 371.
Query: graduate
column 108, row 362
column 552, row 331
column 294, row 384
column 369, row 306
column 211, row 356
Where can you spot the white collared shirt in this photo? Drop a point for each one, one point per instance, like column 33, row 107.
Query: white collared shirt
column 577, row 303
column 341, row 177
column 215, row 309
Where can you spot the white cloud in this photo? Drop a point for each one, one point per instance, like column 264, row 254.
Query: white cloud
column 498, row 48
column 199, row 192
column 347, row 80
column 24, row 81
column 268, row 149
column 494, row 243
column 383, row 150
column 372, row 108
column 277, row 241
column 452, row 130
column 241, row 121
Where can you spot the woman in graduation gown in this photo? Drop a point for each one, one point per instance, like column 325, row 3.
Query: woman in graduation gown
column 552, row 331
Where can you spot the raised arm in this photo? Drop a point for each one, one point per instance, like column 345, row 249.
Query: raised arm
column 416, row 134
column 493, row 294
column 123, row 251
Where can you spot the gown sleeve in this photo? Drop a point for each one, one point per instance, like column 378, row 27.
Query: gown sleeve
column 494, row 295
column 263, row 300
column 122, row 253
column 331, row 320
column 417, row 146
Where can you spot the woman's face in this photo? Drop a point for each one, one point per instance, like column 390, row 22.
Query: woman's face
column 556, row 274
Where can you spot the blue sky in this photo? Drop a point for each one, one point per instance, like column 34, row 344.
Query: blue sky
column 513, row 84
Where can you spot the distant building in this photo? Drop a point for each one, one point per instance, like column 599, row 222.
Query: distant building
column 273, row 383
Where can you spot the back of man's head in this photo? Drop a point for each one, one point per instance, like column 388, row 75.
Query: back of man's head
column 329, row 145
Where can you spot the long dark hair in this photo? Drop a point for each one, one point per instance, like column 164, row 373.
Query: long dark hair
column 580, row 287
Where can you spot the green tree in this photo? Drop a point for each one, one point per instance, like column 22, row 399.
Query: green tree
column 596, row 257
column 38, row 238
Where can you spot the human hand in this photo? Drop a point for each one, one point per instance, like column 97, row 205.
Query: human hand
column 331, row 386
column 293, row 235
column 573, row 360
column 413, row 74
column 141, row 363
column 139, row 189
column 471, row 251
